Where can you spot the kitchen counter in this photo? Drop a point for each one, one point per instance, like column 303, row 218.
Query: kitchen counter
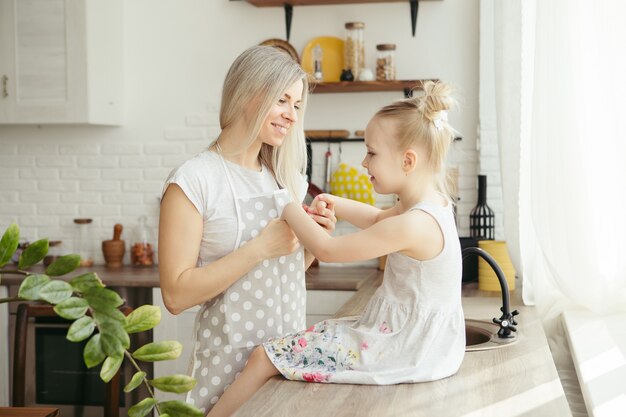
column 317, row 278
column 520, row 379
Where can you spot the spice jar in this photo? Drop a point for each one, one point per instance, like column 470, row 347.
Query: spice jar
column 354, row 51
column 83, row 241
column 141, row 252
column 55, row 251
column 386, row 62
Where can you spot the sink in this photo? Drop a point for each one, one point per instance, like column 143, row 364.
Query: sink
column 483, row 335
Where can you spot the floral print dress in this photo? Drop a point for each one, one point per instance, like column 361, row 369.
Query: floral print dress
column 412, row 329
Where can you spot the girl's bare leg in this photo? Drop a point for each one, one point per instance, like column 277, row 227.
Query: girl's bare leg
column 257, row 371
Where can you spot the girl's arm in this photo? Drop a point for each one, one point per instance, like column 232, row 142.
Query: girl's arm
column 414, row 233
column 184, row 285
column 354, row 212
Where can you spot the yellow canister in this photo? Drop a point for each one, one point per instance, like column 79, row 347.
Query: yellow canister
column 487, row 278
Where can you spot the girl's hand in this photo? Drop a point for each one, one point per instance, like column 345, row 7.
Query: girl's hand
column 323, row 212
column 277, row 239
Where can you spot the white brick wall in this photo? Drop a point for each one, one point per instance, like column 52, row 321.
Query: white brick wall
column 44, row 186
column 50, row 175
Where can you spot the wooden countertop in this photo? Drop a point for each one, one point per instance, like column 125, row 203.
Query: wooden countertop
column 520, row 379
column 317, row 278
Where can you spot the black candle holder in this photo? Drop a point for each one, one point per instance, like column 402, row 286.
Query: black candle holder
column 482, row 224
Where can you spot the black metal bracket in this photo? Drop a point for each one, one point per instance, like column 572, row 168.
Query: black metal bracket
column 288, row 17
column 506, row 321
column 414, row 6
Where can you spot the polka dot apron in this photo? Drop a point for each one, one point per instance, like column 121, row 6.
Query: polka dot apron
column 269, row 301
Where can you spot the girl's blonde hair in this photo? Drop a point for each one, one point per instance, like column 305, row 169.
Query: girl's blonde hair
column 422, row 121
column 255, row 81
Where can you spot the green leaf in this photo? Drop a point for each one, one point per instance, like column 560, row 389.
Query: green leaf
column 142, row 408
column 179, row 409
column 55, row 291
column 81, row 329
column 33, row 254
column 72, row 308
column 143, row 318
column 102, row 299
column 116, row 329
column 9, row 242
column 111, row 345
column 173, row 383
column 110, row 366
column 30, row 287
column 164, row 415
column 110, row 315
column 63, row 265
column 159, row 351
column 83, row 282
column 136, row 380
column 93, row 353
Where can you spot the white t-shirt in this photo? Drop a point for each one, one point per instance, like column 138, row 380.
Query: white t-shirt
column 204, row 182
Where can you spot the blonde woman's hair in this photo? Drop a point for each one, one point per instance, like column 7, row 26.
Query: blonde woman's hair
column 255, row 81
column 422, row 121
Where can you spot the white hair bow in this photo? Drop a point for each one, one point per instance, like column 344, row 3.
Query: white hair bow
column 442, row 116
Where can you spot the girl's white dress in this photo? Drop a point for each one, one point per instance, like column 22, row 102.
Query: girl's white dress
column 412, row 330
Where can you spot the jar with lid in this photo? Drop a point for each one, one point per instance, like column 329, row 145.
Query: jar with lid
column 55, row 251
column 386, row 62
column 83, row 244
column 354, row 51
column 141, row 252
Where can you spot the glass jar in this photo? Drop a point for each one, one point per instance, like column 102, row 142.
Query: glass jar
column 386, row 62
column 55, row 251
column 317, row 63
column 141, row 251
column 83, row 241
column 353, row 50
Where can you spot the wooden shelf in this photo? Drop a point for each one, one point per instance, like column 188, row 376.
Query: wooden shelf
column 368, row 86
column 281, row 3
column 288, row 6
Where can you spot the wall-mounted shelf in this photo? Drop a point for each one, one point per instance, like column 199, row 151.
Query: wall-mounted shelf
column 288, row 5
column 407, row 86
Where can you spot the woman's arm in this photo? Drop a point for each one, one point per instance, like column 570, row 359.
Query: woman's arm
column 184, row 285
column 415, row 233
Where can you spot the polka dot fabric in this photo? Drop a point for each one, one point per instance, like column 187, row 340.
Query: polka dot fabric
column 269, row 301
column 348, row 182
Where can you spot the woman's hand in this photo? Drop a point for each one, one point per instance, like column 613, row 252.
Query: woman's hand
column 277, row 239
column 322, row 210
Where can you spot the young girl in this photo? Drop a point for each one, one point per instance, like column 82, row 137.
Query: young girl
column 412, row 330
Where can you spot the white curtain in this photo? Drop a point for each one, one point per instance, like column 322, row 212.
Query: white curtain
column 573, row 154
column 559, row 86
column 560, row 91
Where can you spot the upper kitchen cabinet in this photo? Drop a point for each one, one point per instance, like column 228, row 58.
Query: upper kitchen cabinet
column 61, row 62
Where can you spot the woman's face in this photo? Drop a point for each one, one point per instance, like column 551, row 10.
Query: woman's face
column 282, row 116
column 383, row 160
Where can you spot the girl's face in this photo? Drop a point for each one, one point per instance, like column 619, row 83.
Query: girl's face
column 282, row 116
column 383, row 160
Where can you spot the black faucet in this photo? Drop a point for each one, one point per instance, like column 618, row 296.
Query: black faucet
column 506, row 321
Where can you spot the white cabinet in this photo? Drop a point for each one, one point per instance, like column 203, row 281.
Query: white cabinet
column 61, row 62
column 173, row 327
column 323, row 304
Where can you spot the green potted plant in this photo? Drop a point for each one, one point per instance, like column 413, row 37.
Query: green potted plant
column 96, row 318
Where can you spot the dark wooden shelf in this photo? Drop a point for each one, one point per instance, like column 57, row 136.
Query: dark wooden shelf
column 288, row 6
column 368, row 86
column 281, row 3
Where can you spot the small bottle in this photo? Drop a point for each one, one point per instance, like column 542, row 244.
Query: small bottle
column 386, row 62
column 141, row 251
column 354, row 51
column 83, row 241
column 55, row 250
column 317, row 63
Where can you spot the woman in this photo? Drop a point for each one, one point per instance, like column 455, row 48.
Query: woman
column 221, row 243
